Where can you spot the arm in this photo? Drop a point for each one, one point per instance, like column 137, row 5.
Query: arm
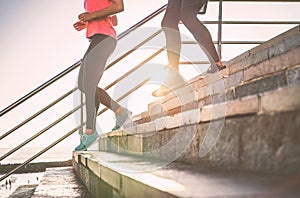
column 116, row 7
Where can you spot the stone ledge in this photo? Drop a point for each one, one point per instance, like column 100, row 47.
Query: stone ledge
column 138, row 179
column 273, row 142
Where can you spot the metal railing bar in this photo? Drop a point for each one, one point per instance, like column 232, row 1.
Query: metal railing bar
column 40, row 133
column 38, row 113
column 142, row 22
column 227, row 42
column 40, row 88
column 126, row 94
column 220, row 19
column 258, row 0
column 40, row 153
column 134, row 69
column 133, row 49
column 194, row 62
column 252, row 22
column 242, row 42
column 134, row 89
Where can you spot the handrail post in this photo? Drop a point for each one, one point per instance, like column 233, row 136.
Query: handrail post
column 220, row 21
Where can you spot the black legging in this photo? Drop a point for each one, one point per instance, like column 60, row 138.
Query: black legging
column 186, row 11
column 90, row 73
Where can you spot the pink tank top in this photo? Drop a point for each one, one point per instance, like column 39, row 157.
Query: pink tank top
column 102, row 26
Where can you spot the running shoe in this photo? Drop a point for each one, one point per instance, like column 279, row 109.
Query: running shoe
column 87, row 140
column 121, row 119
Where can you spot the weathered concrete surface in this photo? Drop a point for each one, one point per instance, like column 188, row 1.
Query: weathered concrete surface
column 268, row 143
column 264, row 143
column 60, row 182
column 134, row 176
column 25, row 191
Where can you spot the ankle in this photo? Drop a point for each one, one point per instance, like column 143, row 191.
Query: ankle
column 119, row 110
column 173, row 67
column 89, row 131
column 219, row 64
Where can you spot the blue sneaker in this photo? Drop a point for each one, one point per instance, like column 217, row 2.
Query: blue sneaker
column 121, row 119
column 80, row 147
column 87, row 140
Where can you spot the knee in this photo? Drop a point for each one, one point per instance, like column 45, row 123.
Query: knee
column 169, row 23
column 164, row 23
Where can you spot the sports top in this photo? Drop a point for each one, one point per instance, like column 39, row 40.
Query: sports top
column 102, row 26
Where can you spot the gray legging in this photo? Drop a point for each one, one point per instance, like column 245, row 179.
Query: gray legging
column 90, row 73
column 186, row 11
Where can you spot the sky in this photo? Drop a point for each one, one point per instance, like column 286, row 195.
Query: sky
column 38, row 41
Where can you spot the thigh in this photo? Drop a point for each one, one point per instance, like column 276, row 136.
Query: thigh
column 174, row 5
column 80, row 78
column 95, row 59
column 191, row 7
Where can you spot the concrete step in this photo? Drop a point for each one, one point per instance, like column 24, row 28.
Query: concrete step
column 267, row 67
column 248, row 121
column 60, row 182
column 257, row 134
column 24, row 191
column 115, row 175
column 280, row 100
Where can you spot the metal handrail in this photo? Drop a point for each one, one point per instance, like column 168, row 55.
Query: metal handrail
column 252, row 22
column 73, row 90
column 41, row 132
column 258, row 0
column 40, row 153
column 57, row 77
column 133, row 49
column 126, row 94
column 134, row 69
column 67, row 135
column 40, row 88
column 220, row 19
column 77, row 64
column 226, row 42
column 38, row 113
column 143, row 21
column 71, row 112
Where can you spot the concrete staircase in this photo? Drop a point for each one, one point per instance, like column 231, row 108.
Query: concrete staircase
column 60, row 182
column 230, row 134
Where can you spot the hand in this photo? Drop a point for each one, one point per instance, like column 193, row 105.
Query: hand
column 86, row 16
column 79, row 25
